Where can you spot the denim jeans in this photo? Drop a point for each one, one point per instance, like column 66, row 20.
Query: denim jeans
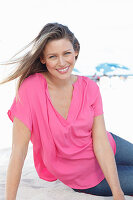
column 124, row 162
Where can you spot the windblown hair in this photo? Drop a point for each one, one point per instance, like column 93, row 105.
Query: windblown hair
column 30, row 63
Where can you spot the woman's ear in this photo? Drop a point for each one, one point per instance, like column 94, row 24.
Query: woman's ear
column 76, row 53
column 42, row 60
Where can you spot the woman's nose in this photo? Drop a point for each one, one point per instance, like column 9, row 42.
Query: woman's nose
column 61, row 61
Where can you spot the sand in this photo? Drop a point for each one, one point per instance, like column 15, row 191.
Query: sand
column 33, row 188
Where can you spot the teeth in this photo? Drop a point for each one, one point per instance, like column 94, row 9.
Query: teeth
column 62, row 70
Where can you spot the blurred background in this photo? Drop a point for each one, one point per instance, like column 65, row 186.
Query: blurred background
column 105, row 31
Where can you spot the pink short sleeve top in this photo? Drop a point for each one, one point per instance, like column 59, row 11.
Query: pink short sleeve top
column 62, row 148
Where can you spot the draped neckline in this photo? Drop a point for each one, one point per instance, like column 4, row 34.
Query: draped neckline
column 71, row 111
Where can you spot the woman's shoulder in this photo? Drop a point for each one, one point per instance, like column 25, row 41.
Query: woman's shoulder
column 32, row 79
column 31, row 83
column 91, row 84
column 91, row 89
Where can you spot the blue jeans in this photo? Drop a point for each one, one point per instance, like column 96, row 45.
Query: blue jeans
column 124, row 162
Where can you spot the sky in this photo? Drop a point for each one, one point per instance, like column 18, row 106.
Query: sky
column 104, row 28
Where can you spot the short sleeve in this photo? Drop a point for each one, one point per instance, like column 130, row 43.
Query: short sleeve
column 21, row 108
column 97, row 104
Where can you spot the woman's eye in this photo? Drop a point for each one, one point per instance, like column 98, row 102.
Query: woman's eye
column 67, row 52
column 51, row 56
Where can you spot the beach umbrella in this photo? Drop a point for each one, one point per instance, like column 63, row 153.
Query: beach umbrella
column 112, row 69
column 76, row 70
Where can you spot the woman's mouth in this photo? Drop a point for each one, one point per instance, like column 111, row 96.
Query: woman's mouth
column 64, row 70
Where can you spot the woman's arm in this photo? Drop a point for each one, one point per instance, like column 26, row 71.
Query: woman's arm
column 20, row 141
column 105, row 156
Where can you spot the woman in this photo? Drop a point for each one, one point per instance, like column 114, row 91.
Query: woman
column 62, row 115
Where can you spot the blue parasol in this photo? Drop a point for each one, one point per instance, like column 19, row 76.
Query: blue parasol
column 76, row 70
column 109, row 68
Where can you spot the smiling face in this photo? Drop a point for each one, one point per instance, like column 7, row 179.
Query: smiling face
column 59, row 57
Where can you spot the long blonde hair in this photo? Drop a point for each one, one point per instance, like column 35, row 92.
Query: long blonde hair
column 29, row 63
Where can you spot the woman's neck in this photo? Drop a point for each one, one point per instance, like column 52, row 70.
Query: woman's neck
column 59, row 83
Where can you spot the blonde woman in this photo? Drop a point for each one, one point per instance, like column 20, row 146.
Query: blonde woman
column 62, row 115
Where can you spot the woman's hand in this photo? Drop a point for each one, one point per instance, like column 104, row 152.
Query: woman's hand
column 119, row 196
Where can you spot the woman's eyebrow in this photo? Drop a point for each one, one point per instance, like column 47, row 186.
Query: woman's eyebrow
column 68, row 50
column 55, row 53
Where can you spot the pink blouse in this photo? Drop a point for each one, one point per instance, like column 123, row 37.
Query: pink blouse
column 62, row 148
